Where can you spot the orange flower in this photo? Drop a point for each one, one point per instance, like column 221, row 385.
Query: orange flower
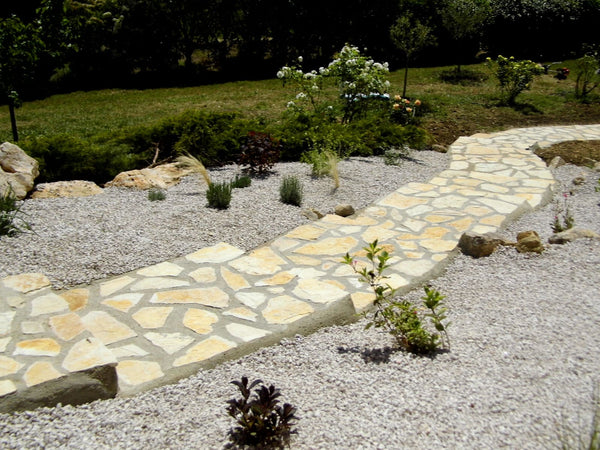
column 408, row 109
column 417, row 102
column 396, row 106
column 397, row 97
column 407, row 101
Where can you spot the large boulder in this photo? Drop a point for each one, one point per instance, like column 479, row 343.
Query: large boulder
column 160, row 177
column 18, row 170
column 76, row 188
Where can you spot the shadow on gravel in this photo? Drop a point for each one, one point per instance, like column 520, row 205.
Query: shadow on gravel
column 371, row 355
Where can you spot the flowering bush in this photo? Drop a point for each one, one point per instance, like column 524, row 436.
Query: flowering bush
column 513, row 76
column 403, row 111
column 360, row 80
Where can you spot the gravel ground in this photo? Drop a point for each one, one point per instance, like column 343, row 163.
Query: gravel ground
column 525, row 336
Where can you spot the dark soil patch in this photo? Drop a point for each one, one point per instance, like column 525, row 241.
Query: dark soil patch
column 581, row 153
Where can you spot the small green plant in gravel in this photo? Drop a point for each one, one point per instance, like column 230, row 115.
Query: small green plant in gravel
column 156, row 194
column 563, row 220
column 401, row 318
column 261, row 421
column 323, row 163
column 241, row 182
column 291, row 190
column 219, row 195
column 11, row 221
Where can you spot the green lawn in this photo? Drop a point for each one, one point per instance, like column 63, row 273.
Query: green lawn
column 452, row 110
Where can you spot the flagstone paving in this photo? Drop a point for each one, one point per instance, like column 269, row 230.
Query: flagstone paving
column 163, row 322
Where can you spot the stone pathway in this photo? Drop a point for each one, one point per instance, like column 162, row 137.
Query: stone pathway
column 164, row 322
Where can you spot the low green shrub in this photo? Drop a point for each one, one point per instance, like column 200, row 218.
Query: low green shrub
column 156, row 194
column 513, row 76
column 241, row 182
column 261, row 421
column 219, row 195
column 63, row 157
column 11, row 221
column 291, row 190
column 401, row 318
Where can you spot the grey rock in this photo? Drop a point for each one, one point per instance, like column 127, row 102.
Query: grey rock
column 344, row 210
column 18, row 170
column 529, row 242
column 573, row 234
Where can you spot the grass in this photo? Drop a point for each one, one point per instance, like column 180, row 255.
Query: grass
column 452, row 110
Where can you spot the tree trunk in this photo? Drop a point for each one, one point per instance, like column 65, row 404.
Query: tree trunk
column 13, row 120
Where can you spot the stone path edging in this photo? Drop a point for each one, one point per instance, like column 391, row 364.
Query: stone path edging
column 150, row 327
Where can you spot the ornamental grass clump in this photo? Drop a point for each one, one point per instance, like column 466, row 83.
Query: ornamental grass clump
column 261, row 421
column 192, row 163
column 291, row 190
column 11, row 221
column 323, row 163
column 401, row 318
column 156, row 194
column 241, row 182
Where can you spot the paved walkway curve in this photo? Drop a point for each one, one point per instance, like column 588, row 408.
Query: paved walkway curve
column 153, row 326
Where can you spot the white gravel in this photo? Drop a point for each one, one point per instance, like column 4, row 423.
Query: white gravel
column 525, row 334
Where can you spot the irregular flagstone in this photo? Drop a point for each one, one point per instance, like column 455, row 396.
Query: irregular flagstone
column 155, row 283
column 127, row 351
column 213, row 296
column 76, row 298
column 88, row 353
column 285, row 309
column 37, row 347
column 123, row 302
column 204, row 275
column 8, row 366
column 27, row 282
column 106, row 328
column 277, row 279
column 169, row 342
column 242, row 313
column 48, row 304
column 4, row 343
column 7, row 387
column 40, row 372
column 246, row 333
column 6, row 319
column 164, row 269
column 206, row 349
column 135, row 372
column 329, row 246
column 306, row 232
column 152, row 317
column 400, row 201
column 32, row 327
column 199, row 320
column 319, row 291
column 219, row 253
column 114, row 285
column 234, row 281
column 251, row 299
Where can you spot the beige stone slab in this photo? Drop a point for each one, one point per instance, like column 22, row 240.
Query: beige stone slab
column 234, row 281
column 319, row 291
column 380, row 233
column 206, row 349
column 170, row 342
column 106, row 328
column 127, row 351
column 156, row 283
column 123, row 302
column 246, row 333
column 76, row 298
column 307, row 272
column 304, row 260
column 48, row 304
column 495, row 220
column 414, row 268
column 283, row 244
column 329, row 247
column 251, row 299
column 462, row 225
column 219, row 253
column 334, row 219
column 134, row 372
column 278, row 279
column 285, row 309
column 438, row 245
column 6, row 319
column 306, row 232
column 7, row 387
column 114, row 285
column 164, row 269
column 9, row 366
column 211, row 296
column 362, row 300
column 26, row 282
column 255, row 266
column 478, row 211
column 88, row 353
column 40, row 372
column 152, row 317
column 66, row 326
column 32, row 327
column 199, row 321
column 242, row 313
column 204, row 275
column 396, row 200
column 4, row 343
column 499, row 205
